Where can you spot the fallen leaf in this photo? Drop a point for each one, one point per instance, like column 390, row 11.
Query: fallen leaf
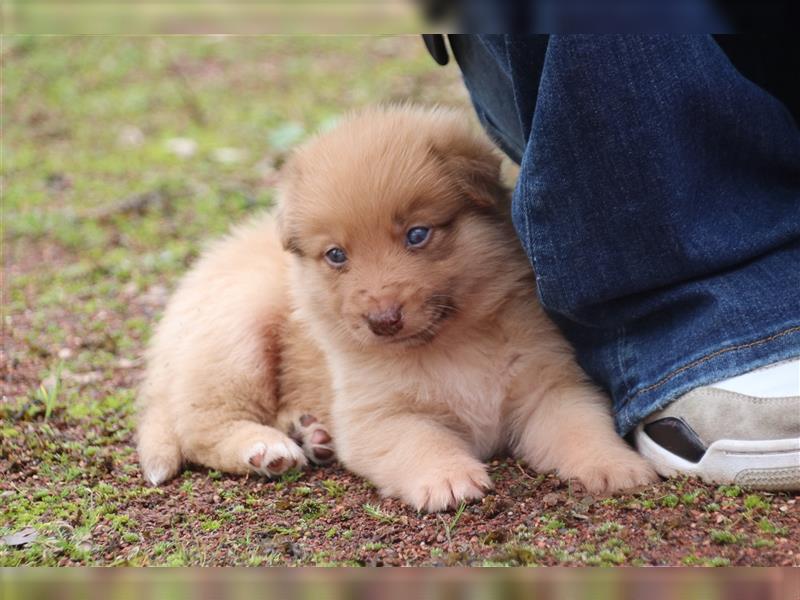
column 20, row 538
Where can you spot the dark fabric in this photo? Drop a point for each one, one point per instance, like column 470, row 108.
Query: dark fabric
column 436, row 47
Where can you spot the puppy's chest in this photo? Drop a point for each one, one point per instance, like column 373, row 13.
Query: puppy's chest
column 476, row 389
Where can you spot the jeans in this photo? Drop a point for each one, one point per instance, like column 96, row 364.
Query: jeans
column 658, row 201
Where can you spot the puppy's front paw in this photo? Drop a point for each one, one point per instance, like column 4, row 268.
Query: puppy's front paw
column 442, row 486
column 314, row 438
column 160, row 462
column 275, row 458
column 624, row 469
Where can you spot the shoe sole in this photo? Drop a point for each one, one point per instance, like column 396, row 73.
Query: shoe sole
column 763, row 464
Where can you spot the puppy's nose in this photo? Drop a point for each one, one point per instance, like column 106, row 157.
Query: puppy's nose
column 385, row 322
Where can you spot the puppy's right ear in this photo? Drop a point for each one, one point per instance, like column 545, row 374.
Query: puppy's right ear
column 290, row 178
column 473, row 164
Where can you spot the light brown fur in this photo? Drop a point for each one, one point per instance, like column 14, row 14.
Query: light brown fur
column 257, row 336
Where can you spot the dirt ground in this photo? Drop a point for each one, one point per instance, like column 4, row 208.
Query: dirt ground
column 122, row 156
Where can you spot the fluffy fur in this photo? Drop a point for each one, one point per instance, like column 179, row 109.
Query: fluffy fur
column 266, row 352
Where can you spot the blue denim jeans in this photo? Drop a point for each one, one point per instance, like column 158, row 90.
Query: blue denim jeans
column 658, row 201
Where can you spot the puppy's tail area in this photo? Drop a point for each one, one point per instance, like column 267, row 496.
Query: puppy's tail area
column 158, row 447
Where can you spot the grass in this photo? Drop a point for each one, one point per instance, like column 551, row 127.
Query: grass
column 719, row 536
column 121, row 158
column 48, row 391
column 378, row 514
column 450, row 525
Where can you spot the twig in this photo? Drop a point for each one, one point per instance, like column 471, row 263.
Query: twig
column 188, row 95
column 132, row 204
column 524, row 472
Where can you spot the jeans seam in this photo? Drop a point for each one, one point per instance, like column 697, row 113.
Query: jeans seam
column 621, row 362
column 708, row 357
column 531, row 247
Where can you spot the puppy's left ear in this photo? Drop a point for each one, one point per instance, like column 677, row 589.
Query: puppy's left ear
column 290, row 176
column 475, row 166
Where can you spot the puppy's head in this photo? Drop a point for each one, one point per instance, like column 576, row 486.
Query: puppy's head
column 395, row 220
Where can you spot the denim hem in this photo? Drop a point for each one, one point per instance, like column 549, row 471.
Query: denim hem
column 719, row 364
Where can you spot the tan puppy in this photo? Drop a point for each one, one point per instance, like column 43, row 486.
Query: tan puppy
column 391, row 302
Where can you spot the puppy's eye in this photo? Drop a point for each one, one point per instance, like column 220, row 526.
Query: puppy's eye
column 336, row 257
column 416, row 237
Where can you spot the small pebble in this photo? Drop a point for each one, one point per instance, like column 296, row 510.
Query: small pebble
column 228, row 156
column 131, row 136
column 551, row 499
column 183, row 147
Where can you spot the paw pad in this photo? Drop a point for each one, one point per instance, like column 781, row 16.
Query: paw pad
column 275, row 459
column 307, row 420
column 314, row 439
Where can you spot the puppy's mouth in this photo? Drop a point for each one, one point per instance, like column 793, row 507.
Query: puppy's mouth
column 442, row 308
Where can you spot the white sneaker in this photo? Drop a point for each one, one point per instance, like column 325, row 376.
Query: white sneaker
column 744, row 430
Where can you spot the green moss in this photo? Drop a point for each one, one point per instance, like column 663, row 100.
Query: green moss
column 754, row 502
column 612, row 556
column 768, row 526
column 373, row 546
column 553, row 524
column 670, row 501
column 311, row 509
column 730, row 491
column 690, row 498
column 210, row 525
column 608, row 527
column 720, row 536
column 333, row 488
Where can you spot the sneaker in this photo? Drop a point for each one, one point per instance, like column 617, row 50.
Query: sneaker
column 743, row 431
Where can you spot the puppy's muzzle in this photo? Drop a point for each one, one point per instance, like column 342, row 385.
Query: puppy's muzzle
column 386, row 322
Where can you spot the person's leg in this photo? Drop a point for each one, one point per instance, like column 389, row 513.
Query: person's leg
column 658, row 200
column 502, row 106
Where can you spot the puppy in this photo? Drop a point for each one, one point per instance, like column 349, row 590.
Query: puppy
column 387, row 306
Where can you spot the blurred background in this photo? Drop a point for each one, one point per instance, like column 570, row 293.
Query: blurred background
column 397, row 16
column 402, row 584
